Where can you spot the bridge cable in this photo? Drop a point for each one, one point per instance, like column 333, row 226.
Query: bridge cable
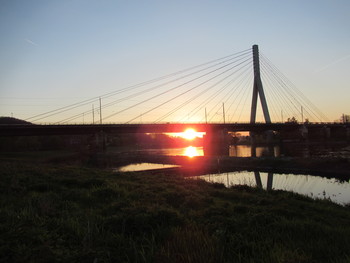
column 227, row 95
column 238, row 57
column 88, row 101
column 218, row 92
column 196, row 96
column 281, row 99
column 308, row 104
column 288, row 94
column 186, row 91
column 167, row 91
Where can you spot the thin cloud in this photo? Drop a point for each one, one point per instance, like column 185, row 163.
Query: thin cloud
column 332, row 64
column 30, row 42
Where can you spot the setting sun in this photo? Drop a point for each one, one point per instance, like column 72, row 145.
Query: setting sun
column 190, row 134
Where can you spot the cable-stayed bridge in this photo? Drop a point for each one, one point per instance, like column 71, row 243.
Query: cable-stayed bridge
column 223, row 90
column 214, row 97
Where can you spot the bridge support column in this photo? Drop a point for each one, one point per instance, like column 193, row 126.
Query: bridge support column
column 252, row 136
column 216, row 143
column 269, row 137
column 258, row 90
column 326, row 133
column 304, row 132
column 100, row 140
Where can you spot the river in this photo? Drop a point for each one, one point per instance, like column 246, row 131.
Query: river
column 336, row 190
column 313, row 186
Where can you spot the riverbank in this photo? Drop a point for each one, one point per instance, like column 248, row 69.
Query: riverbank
column 55, row 212
column 327, row 166
column 336, row 167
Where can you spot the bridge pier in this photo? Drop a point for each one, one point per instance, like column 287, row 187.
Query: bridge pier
column 340, row 133
column 304, row 133
column 326, row 133
column 216, row 143
column 101, row 141
column 265, row 138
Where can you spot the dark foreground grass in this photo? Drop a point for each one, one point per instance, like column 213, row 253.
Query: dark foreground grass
column 75, row 214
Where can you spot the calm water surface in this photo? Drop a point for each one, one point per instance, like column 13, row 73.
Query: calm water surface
column 143, row 167
column 234, row 151
column 291, row 150
column 313, row 186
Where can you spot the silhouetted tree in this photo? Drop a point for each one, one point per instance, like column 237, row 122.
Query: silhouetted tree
column 292, row 120
column 10, row 120
column 345, row 118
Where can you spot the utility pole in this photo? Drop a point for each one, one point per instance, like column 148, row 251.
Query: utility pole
column 93, row 114
column 206, row 120
column 100, row 112
column 223, row 111
column 302, row 114
column 282, row 115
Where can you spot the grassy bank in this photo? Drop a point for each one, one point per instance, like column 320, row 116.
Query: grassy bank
column 75, row 214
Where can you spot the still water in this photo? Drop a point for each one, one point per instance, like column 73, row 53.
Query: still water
column 290, row 150
column 189, row 151
column 234, row 151
column 313, row 186
column 144, row 167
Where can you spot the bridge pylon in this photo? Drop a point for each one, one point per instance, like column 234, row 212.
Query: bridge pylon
column 258, row 89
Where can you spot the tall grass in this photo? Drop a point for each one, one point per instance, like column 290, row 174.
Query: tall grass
column 75, row 214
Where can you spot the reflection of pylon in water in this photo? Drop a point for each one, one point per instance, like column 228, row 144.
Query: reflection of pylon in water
column 258, row 90
column 269, row 180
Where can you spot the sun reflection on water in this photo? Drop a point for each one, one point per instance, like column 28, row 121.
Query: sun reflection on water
column 192, row 151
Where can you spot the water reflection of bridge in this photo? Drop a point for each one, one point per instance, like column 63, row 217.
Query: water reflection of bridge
column 316, row 186
column 269, row 180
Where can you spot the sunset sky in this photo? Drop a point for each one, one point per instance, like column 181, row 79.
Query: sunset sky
column 57, row 52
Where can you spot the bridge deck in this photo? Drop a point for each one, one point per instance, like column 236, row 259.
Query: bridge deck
column 39, row 130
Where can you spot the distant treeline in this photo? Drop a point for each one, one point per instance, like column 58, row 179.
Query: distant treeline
column 11, row 120
column 88, row 142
